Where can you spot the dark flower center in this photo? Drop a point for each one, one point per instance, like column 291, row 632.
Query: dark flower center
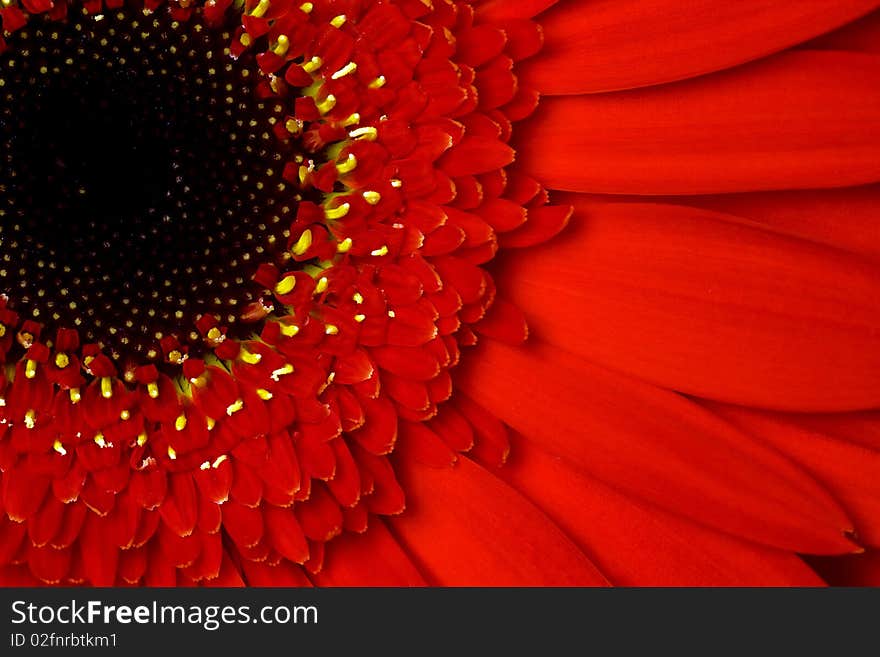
column 140, row 183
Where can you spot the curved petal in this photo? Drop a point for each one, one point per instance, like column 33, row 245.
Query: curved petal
column 862, row 36
column 370, row 559
column 699, row 303
column 639, row 545
column 465, row 527
column 844, row 218
column 850, row 472
column 802, row 119
column 606, row 45
column 655, row 446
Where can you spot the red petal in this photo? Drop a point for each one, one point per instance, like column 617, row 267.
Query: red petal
column 692, row 301
column 638, row 545
column 656, row 446
column 796, row 121
column 373, row 558
column 619, row 44
column 850, row 472
column 467, row 528
column 843, row 218
column 285, row 534
column 98, row 552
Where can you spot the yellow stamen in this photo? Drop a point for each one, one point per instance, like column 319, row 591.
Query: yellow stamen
column 99, row 440
column 61, row 361
column 30, row 419
column 322, row 285
column 372, row 198
column 30, row 369
column 281, row 371
column 286, row 285
column 313, row 64
column 75, row 396
column 348, row 166
column 106, row 387
column 338, row 212
column 380, row 252
column 142, row 439
column 378, row 83
column 249, row 357
column 307, row 7
column 264, row 394
column 289, row 330
column 171, row 453
column 153, row 390
column 260, row 10
column 303, row 243
column 180, row 422
column 349, row 68
column 344, row 246
column 339, row 21
column 331, row 329
column 125, row 415
column 327, row 104
column 58, row 447
column 282, row 46
column 367, row 132
column 234, row 407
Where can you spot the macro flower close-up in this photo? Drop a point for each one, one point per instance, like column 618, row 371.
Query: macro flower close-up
column 439, row 293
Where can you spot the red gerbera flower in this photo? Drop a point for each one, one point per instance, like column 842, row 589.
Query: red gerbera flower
column 246, row 249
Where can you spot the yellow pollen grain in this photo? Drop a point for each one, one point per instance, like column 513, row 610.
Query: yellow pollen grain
column 75, row 395
column 153, row 390
column 61, row 361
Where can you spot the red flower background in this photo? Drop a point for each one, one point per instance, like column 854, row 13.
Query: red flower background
column 694, row 404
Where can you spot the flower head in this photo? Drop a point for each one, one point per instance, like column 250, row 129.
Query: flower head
column 245, row 247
